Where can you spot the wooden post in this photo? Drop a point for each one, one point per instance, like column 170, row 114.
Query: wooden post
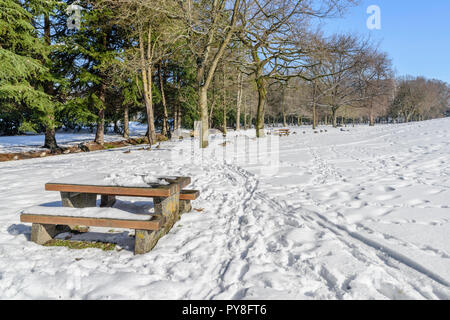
column 78, row 200
column 169, row 209
column 42, row 233
column 185, row 206
column 107, row 201
column 198, row 131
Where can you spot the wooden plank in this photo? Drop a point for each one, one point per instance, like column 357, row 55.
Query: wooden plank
column 155, row 223
column 189, row 194
column 160, row 191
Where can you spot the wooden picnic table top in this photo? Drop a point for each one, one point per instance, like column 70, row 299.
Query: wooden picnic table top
column 101, row 184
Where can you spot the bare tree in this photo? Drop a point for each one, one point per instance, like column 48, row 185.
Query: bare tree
column 274, row 33
column 419, row 98
column 155, row 37
column 337, row 85
column 374, row 82
column 210, row 25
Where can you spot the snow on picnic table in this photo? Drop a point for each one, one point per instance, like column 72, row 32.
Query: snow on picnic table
column 120, row 179
column 357, row 214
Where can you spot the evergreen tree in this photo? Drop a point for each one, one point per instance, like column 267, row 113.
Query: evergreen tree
column 94, row 46
column 23, row 59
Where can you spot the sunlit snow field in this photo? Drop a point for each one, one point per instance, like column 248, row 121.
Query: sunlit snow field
column 357, row 214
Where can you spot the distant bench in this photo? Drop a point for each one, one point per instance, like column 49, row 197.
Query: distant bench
column 170, row 201
column 281, row 132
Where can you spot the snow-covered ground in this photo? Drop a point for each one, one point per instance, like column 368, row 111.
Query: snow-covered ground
column 357, row 214
column 24, row 143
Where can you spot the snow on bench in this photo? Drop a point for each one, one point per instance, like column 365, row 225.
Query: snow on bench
column 50, row 221
column 91, row 212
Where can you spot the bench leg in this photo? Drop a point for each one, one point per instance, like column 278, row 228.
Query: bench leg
column 146, row 240
column 185, row 206
column 78, row 200
column 169, row 208
column 42, row 233
column 107, row 201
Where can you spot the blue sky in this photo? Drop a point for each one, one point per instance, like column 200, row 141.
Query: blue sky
column 416, row 34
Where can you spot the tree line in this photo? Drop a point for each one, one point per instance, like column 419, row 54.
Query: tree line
column 167, row 63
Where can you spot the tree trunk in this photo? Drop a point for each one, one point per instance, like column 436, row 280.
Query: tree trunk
column 179, row 117
column 238, row 102
column 334, row 116
column 314, row 114
column 224, row 92
column 163, row 98
column 150, row 116
column 116, row 127
column 175, row 107
column 371, row 117
column 408, row 116
column 100, row 132
column 213, row 103
column 314, row 120
column 245, row 114
column 203, row 102
column 175, row 117
column 50, row 136
column 262, row 92
column 205, row 75
column 224, row 119
column 126, row 128
column 146, row 70
column 284, row 108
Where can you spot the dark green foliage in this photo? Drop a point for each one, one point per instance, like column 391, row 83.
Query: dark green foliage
column 59, row 82
column 23, row 59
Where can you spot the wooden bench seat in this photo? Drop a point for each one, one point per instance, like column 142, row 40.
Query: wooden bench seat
column 84, row 193
column 189, row 194
column 185, row 199
column 157, row 190
column 155, row 222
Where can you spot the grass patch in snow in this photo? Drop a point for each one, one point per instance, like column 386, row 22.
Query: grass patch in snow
column 110, row 146
column 80, row 244
column 79, row 229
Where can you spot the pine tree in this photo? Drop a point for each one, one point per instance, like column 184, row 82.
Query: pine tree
column 23, row 57
column 94, row 47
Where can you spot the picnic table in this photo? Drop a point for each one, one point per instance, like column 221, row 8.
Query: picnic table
column 169, row 198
